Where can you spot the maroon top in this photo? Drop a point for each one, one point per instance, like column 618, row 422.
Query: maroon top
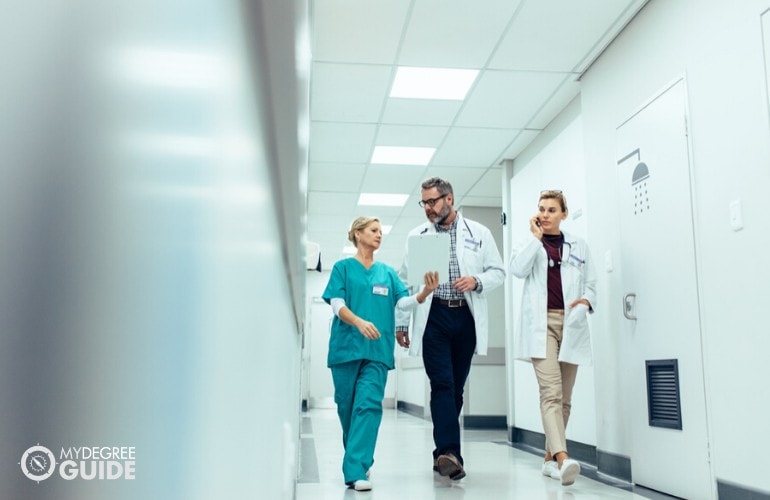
column 553, row 244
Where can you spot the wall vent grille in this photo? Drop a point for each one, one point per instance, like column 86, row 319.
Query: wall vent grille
column 663, row 403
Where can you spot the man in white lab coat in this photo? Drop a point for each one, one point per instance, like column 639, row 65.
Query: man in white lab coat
column 451, row 324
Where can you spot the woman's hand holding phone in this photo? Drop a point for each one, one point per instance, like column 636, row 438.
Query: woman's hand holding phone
column 534, row 227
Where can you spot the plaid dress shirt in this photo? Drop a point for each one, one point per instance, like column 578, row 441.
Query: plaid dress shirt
column 446, row 291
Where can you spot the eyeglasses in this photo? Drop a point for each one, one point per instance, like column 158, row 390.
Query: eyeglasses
column 550, row 191
column 431, row 202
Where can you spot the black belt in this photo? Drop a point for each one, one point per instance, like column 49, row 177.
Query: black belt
column 452, row 302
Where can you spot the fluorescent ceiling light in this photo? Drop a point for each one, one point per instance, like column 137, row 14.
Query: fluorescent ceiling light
column 386, row 229
column 383, row 199
column 402, row 155
column 433, row 83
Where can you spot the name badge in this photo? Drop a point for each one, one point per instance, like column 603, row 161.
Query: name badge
column 380, row 290
column 576, row 261
column 472, row 244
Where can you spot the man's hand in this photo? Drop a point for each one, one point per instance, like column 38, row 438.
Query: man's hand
column 465, row 284
column 403, row 339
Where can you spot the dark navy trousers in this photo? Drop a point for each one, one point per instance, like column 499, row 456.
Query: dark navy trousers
column 447, row 350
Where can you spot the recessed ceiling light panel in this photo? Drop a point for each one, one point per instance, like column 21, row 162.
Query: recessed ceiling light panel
column 433, row 83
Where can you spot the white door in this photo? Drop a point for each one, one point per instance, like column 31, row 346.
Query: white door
column 320, row 384
column 659, row 283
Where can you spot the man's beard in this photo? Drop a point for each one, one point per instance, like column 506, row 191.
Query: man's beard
column 443, row 215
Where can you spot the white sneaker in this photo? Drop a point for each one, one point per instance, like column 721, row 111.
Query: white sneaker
column 570, row 469
column 362, row 485
column 551, row 469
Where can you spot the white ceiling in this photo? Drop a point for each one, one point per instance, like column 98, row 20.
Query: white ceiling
column 530, row 54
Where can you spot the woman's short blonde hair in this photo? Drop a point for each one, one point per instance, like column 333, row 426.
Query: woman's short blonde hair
column 359, row 224
column 554, row 194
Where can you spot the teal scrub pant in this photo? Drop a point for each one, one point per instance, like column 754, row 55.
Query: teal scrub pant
column 359, row 387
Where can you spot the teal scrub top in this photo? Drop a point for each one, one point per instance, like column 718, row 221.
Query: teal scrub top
column 371, row 295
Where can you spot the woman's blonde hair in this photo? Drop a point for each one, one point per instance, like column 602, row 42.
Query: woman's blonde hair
column 554, row 194
column 359, row 224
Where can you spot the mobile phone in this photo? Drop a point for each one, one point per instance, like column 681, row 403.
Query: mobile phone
column 537, row 222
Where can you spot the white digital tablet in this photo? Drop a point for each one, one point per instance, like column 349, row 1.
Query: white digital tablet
column 427, row 253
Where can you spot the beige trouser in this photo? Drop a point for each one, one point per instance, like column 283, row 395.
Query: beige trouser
column 556, row 381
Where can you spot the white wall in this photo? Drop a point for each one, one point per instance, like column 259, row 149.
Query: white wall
column 553, row 161
column 490, row 217
column 717, row 46
column 413, row 384
column 319, row 391
column 485, row 389
column 146, row 298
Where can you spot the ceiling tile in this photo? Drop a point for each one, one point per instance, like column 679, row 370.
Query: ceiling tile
column 343, row 177
column 329, row 223
column 330, row 240
column 473, row 147
column 556, row 35
column 331, row 203
column 490, row 185
column 382, row 213
column 420, row 111
column 410, row 135
column 408, row 222
column 505, row 99
column 367, row 31
column 560, row 99
column 454, row 33
column 482, row 201
column 461, row 179
column 348, row 92
column 392, row 179
column 522, row 141
column 341, row 142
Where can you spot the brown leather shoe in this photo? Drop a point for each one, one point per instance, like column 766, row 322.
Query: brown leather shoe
column 448, row 465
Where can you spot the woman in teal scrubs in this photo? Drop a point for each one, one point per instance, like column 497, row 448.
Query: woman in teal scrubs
column 364, row 295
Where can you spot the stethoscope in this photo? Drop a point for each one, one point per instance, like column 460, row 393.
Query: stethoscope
column 469, row 229
column 571, row 258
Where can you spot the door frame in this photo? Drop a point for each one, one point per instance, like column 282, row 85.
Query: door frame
column 698, row 264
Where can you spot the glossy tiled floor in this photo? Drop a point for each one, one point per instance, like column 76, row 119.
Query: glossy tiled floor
column 403, row 466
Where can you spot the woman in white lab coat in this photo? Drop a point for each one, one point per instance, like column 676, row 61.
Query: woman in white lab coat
column 559, row 292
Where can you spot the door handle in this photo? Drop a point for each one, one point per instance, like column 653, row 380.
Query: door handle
column 629, row 300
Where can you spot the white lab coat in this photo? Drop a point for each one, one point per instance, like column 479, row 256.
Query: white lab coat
column 529, row 260
column 477, row 255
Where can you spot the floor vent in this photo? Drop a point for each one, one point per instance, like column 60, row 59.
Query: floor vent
column 664, row 407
